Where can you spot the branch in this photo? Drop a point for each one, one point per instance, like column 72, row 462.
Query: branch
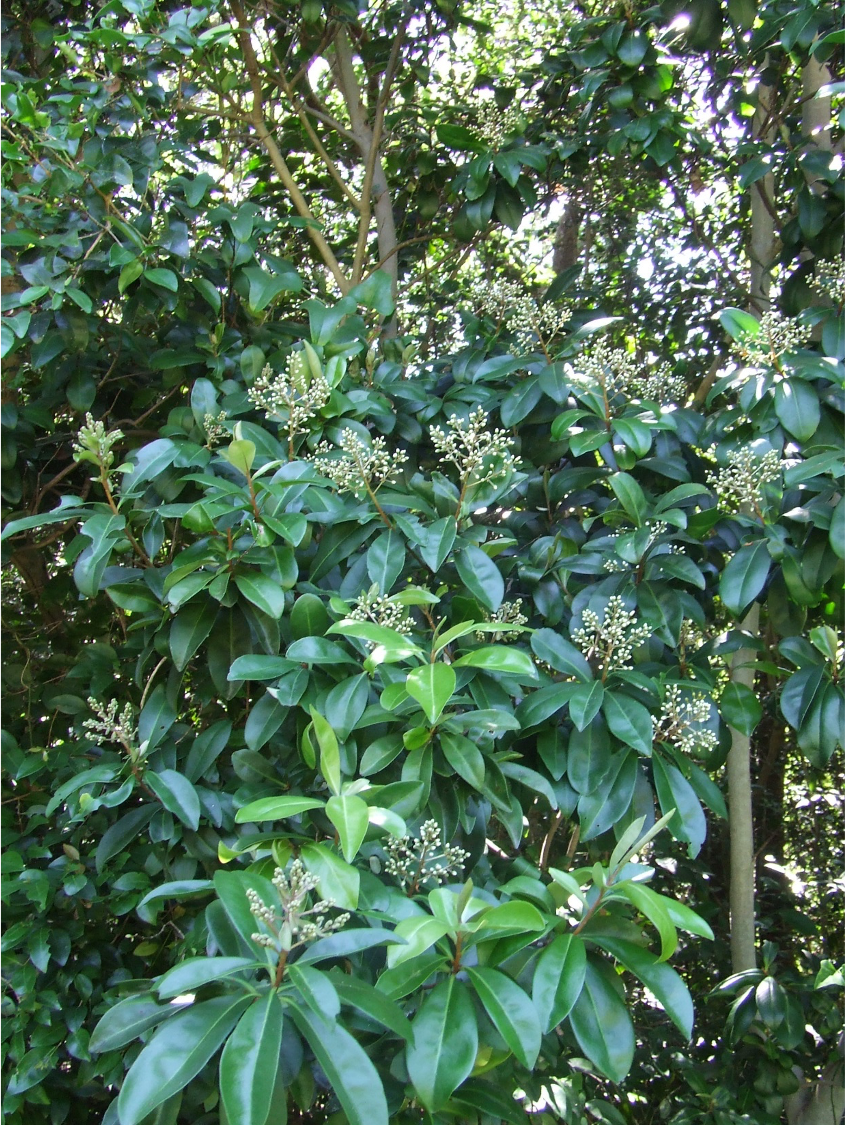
column 368, row 140
column 300, row 111
column 278, row 161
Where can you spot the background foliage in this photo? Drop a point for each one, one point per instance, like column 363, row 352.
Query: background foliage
column 409, row 414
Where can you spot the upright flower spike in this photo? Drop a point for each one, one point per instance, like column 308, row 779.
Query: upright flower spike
column 777, row 334
column 297, row 923
column 682, row 719
column 741, row 482
column 611, row 638
column 96, row 444
column 109, row 726
column 521, row 315
column 830, row 281
column 357, row 467
column 415, row 861
column 378, row 608
column 295, row 396
column 480, row 455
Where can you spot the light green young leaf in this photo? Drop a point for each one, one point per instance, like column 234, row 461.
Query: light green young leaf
column 350, row 816
column 329, row 751
column 432, row 686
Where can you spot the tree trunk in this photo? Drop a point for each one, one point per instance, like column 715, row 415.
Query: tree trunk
column 743, row 951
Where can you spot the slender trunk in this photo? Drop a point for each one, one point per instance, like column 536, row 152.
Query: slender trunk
column 763, row 244
column 743, row 951
column 368, row 139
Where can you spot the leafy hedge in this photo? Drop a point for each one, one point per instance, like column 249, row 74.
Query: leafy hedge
column 374, row 640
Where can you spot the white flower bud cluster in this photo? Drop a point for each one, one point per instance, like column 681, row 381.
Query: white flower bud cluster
column 611, row 638
column 214, row 429
column 777, row 334
column 690, row 636
column 355, row 465
column 508, row 613
column 478, row 454
column 378, row 608
column 94, row 443
column 611, row 370
column 292, row 394
column 520, row 313
column 414, row 861
column 741, row 482
column 614, row 565
column 297, row 923
column 109, row 726
column 682, row 719
column 658, row 384
column 495, row 125
column 830, row 281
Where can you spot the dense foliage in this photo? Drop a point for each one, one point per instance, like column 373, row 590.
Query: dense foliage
column 382, row 605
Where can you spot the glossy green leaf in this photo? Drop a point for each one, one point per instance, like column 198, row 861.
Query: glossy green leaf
column 350, row 816
column 262, row 592
column 653, row 907
column 481, row 577
column 348, row 1068
column 249, row 1062
column 675, row 792
column 744, row 577
column 432, row 686
column 194, row 972
column 126, row 1021
column 602, row 1026
column 177, row 795
column 358, row 994
column 177, row 1053
column 464, row 757
column 511, row 1011
column 445, row 1043
column 339, row 881
column 275, row 808
column 316, row 989
column 663, row 981
column 630, row 495
column 437, row 542
column 629, row 720
column 561, row 654
column 386, row 560
column 797, row 407
column 329, row 751
column 741, row 708
column 345, row 943
column 585, row 702
column 558, row 979
column 419, row 933
column 499, row 658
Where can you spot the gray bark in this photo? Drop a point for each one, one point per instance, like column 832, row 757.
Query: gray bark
column 742, row 889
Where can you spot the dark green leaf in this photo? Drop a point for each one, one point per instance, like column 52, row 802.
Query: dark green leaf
column 744, row 577
column 558, row 979
column 249, row 1062
column 445, row 1043
column 347, row 1066
column 481, row 577
column 511, row 1011
column 176, row 1054
column 602, row 1026
column 125, row 1022
column 177, row 795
